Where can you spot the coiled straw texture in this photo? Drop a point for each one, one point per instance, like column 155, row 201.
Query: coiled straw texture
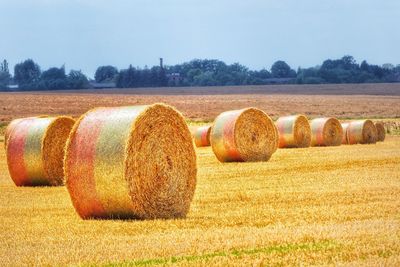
column 244, row 135
column 362, row 132
column 381, row 132
column 35, row 150
column 294, row 131
column 326, row 132
column 131, row 162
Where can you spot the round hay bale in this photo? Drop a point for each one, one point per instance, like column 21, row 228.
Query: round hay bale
column 381, row 132
column 35, row 150
column 201, row 135
column 362, row 132
column 326, row 132
column 294, row 131
column 276, row 133
column 131, row 162
column 243, row 135
column 11, row 125
column 345, row 140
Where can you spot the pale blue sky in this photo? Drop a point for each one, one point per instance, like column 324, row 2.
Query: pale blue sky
column 85, row 34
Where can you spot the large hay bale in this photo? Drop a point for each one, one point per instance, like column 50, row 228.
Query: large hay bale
column 201, row 135
column 381, row 132
column 362, row 132
column 326, row 132
column 11, row 125
column 131, row 162
column 294, row 131
column 345, row 140
column 243, row 135
column 35, row 150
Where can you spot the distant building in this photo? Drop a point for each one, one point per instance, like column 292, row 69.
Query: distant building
column 174, row 78
column 105, row 85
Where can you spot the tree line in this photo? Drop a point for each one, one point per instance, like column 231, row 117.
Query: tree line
column 28, row 75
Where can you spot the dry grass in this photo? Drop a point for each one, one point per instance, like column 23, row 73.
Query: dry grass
column 319, row 205
column 205, row 103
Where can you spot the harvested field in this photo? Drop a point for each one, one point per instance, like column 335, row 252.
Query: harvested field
column 319, row 205
column 205, row 103
column 308, row 206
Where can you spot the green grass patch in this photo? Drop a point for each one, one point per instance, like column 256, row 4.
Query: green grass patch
column 280, row 249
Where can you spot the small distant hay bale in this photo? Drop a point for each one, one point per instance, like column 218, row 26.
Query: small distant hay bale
column 131, row 162
column 201, row 135
column 35, row 150
column 294, row 131
column 345, row 140
column 326, row 132
column 381, row 132
column 244, row 135
column 362, row 132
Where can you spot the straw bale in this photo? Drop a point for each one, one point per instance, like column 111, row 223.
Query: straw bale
column 345, row 140
column 381, row 131
column 131, row 162
column 294, row 131
column 362, row 132
column 201, row 135
column 326, row 132
column 35, row 150
column 243, row 135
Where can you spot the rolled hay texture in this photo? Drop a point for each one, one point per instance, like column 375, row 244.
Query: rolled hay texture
column 131, row 162
column 294, row 131
column 345, row 140
column 244, row 135
column 326, row 132
column 381, row 132
column 201, row 135
column 362, row 132
column 35, row 150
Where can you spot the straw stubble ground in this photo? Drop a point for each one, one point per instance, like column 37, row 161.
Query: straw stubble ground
column 312, row 206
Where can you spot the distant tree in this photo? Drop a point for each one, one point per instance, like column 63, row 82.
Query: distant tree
column 127, row 78
column 53, row 79
column 308, row 76
column 364, row 66
column 5, row 75
column 280, row 69
column 105, row 74
column 54, row 74
column 27, row 74
column 348, row 63
column 77, row 80
column 4, row 66
column 388, row 66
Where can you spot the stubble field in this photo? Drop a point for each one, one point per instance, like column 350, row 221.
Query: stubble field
column 314, row 206
column 199, row 103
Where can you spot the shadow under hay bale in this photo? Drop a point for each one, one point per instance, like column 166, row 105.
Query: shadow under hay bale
column 244, row 135
column 201, row 135
column 131, row 162
column 294, row 131
column 35, row 150
column 326, row 132
column 361, row 132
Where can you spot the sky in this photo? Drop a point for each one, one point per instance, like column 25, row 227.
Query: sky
column 85, row 34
